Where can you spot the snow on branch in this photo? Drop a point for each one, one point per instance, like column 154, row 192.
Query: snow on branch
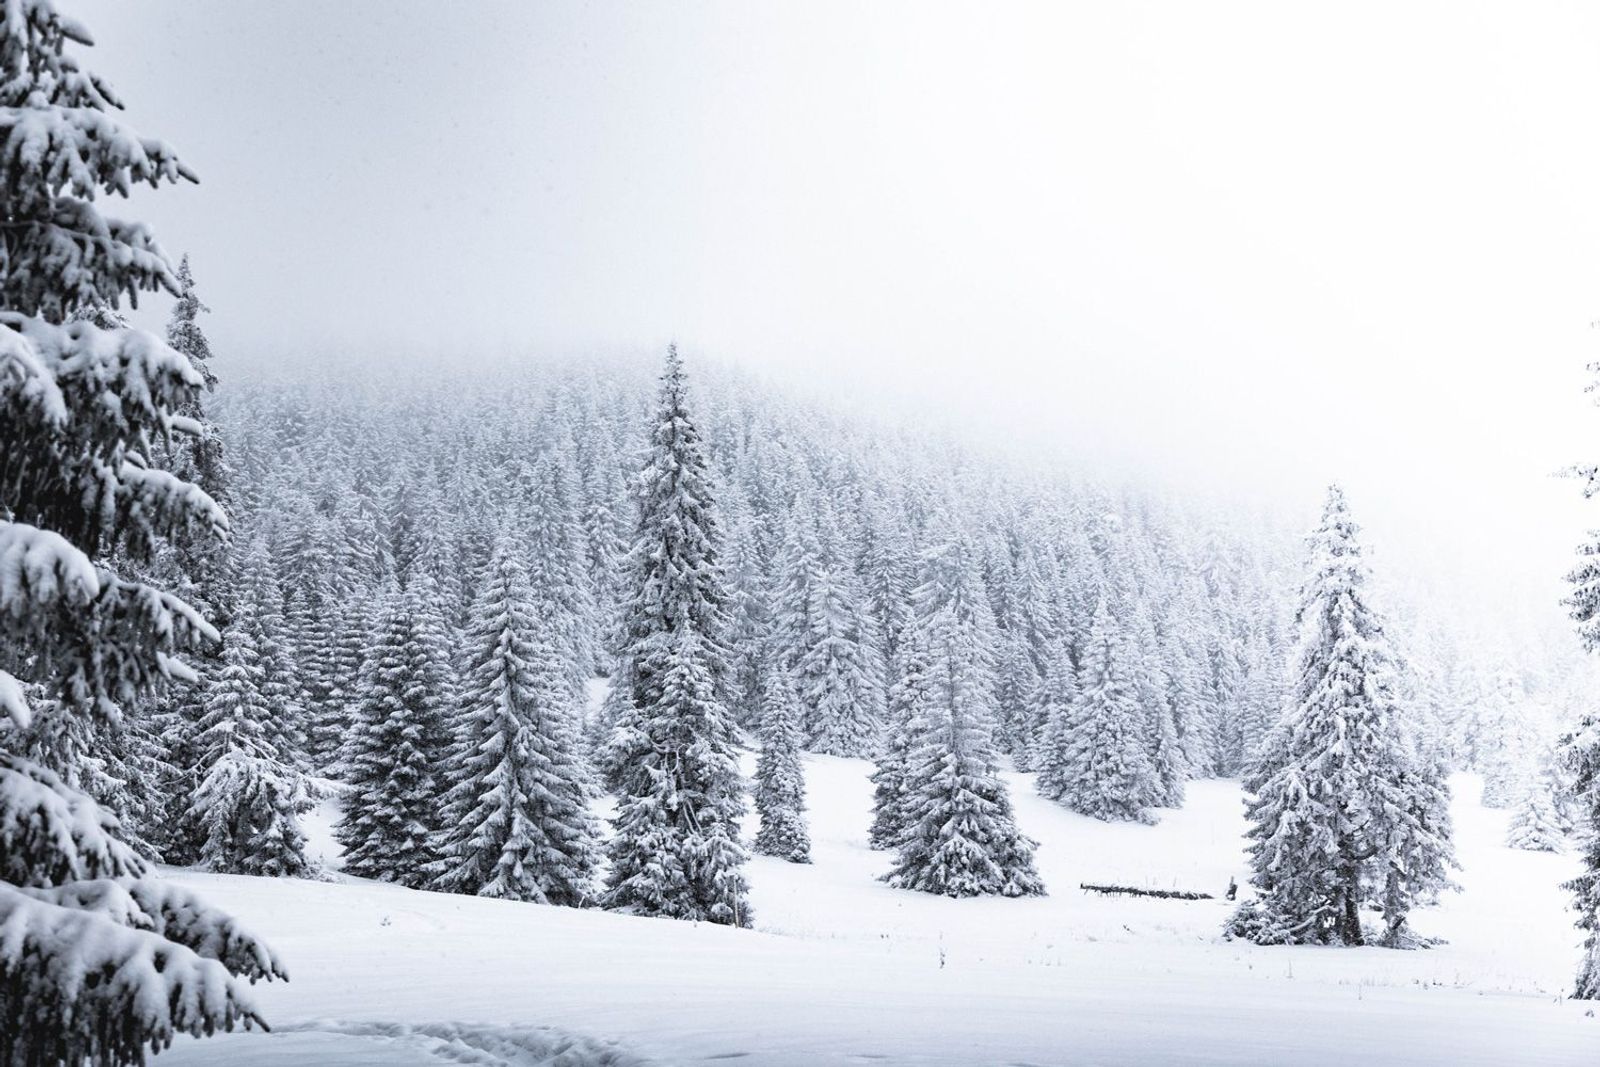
column 78, row 406
column 25, row 380
column 124, row 988
column 13, row 702
column 80, row 257
column 83, row 149
column 51, row 834
column 174, row 913
column 40, row 570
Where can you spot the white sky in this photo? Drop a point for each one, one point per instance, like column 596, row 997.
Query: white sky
column 1244, row 246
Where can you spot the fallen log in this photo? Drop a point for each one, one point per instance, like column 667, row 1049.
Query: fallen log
column 1135, row 891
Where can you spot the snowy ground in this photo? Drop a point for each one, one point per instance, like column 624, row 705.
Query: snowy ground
column 843, row 970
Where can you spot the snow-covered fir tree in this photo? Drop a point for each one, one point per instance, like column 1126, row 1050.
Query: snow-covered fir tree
column 1415, row 852
column 1095, row 758
column 1345, row 814
column 1582, row 749
column 961, row 837
column 357, row 619
column 246, row 808
column 397, row 744
column 749, row 624
column 891, row 793
column 888, row 563
column 272, row 638
column 1535, row 822
column 676, row 851
column 780, row 784
column 1502, row 740
column 516, row 821
column 313, row 619
column 201, row 577
column 556, row 571
column 82, row 496
column 836, row 670
column 243, row 807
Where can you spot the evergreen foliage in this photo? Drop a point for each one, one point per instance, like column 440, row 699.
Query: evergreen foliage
column 1096, row 761
column 1345, row 813
column 676, row 851
column 1535, row 822
column 516, row 822
column 961, row 837
column 891, row 816
column 390, row 823
column 93, row 965
column 780, row 784
column 1583, row 749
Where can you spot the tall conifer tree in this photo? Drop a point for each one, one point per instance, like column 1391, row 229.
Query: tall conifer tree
column 517, row 823
column 961, row 838
column 780, row 784
column 397, row 744
column 1096, row 760
column 1345, row 813
column 81, row 493
column 676, row 849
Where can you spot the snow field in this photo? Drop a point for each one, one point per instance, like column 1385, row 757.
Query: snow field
column 842, row 969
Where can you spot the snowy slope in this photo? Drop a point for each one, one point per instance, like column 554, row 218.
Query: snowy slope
column 843, row 970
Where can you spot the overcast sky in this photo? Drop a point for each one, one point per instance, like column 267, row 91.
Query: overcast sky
column 1249, row 246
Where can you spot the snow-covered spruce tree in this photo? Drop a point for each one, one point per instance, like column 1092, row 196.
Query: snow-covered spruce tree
column 1016, row 684
column 199, row 577
column 676, row 850
column 272, row 638
column 749, row 626
column 1345, row 814
column 1223, row 692
column 907, row 699
column 780, row 786
column 243, row 808
column 1535, row 824
column 1153, row 690
column 357, row 622
column 796, row 569
column 836, row 672
column 1260, row 697
column 1414, row 853
column 888, row 573
column 557, row 574
column 398, row 742
column 835, row 675
column 246, row 807
column 962, row 838
column 313, row 619
column 204, row 456
column 1052, row 705
column 516, row 822
column 1502, row 740
column 121, row 763
column 1095, row 760
column 1582, row 751
column 99, row 963
column 605, row 549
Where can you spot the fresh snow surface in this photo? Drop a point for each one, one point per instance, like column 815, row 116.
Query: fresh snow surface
column 842, row 969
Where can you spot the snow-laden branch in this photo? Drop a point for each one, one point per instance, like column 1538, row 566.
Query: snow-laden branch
column 51, row 834
column 124, row 988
